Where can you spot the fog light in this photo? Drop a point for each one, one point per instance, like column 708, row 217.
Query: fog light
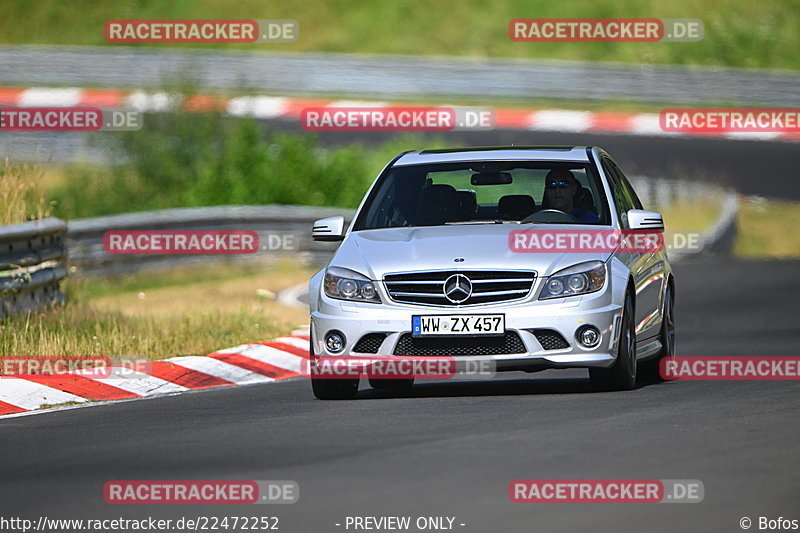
column 334, row 341
column 588, row 336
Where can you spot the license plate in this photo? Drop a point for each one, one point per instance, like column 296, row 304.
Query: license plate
column 430, row 325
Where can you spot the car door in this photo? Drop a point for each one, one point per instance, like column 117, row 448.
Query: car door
column 648, row 267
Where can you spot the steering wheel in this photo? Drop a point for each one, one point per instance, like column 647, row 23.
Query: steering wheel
column 552, row 216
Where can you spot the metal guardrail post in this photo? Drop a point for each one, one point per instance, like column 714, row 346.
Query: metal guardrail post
column 32, row 265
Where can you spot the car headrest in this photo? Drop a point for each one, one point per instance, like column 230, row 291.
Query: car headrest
column 583, row 199
column 467, row 203
column 516, row 206
column 437, row 205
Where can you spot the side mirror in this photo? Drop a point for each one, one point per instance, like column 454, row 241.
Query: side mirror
column 641, row 219
column 328, row 229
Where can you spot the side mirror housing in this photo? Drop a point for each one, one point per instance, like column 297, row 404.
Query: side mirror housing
column 328, row 229
column 641, row 219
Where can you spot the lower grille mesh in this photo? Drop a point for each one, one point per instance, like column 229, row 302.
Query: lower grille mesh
column 453, row 346
column 550, row 339
column 369, row 343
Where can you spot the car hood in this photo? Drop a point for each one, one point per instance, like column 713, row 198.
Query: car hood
column 375, row 253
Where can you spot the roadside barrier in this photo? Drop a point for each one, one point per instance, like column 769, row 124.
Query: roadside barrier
column 32, row 265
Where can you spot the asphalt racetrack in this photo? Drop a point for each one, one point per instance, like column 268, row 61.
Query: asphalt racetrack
column 450, row 448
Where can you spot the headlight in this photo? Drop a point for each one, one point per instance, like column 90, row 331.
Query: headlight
column 579, row 279
column 344, row 284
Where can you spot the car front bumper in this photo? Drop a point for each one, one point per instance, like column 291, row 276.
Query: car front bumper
column 565, row 316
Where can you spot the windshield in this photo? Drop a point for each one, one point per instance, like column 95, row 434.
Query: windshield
column 485, row 193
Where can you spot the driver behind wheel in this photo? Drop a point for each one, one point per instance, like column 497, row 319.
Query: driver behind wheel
column 560, row 187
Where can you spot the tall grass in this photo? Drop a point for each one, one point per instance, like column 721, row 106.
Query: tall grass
column 22, row 196
column 78, row 329
column 738, row 33
column 154, row 317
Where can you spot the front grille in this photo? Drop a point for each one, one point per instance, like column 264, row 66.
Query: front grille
column 369, row 343
column 488, row 286
column 453, row 346
column 550, row 339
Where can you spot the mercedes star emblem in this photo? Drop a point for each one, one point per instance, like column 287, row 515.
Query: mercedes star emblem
column 457, row 288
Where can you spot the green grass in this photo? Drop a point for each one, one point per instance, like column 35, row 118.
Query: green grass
column 767, row 229
column 188, row 311
column 79, row 329
column 738, row 33
column 89, row 288
column 698, row 215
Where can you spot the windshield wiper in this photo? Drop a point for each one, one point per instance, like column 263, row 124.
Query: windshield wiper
column 497, row 221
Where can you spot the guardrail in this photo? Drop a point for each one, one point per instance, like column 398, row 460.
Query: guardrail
column 88, row 256
column 397, row 76
column 32, row 265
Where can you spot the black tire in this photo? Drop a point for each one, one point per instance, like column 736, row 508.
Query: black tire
column 334, row 389
column 622, row 375
column 394, row 384
column 651, row 368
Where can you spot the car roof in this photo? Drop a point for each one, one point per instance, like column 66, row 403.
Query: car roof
column 576, row 154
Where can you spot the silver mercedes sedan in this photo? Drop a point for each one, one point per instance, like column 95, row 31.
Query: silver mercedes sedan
column 532, row 258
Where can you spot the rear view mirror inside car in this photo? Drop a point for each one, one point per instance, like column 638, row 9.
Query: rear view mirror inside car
column 491, row 178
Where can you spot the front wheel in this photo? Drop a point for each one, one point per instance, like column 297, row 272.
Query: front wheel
column 334, row 389
column 622, row 374
column 331, row 389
